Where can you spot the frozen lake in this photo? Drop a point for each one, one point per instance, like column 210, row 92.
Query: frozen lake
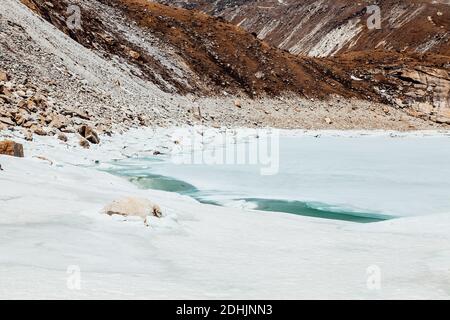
column 362, row 178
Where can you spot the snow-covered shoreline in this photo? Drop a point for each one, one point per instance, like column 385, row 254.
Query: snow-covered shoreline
column 50, row 221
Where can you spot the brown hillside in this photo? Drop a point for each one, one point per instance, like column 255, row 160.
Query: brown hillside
column 189, row 52
column 330, row 27
column 220, row 55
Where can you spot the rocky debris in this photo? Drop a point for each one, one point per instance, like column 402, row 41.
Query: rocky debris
column 89, row 134
column 79, row 113
column 38, row 130
column 11, row 148
column 203, row 49
column 132, row 206
column 110, row 91
column 26, row 106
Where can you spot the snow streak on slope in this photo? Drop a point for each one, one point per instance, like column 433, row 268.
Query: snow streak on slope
column 406, row 24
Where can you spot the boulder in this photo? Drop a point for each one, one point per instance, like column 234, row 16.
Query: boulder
column 89, row 134
column 59, row 121
column 3, row 76
column 38, row 130
column 84, row 143
column 131, row 206
column 134, row 55
column 28, row 135
column 11, row 148
column 6, row 121
column 413, row 76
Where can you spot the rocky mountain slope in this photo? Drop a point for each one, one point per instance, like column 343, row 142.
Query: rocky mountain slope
column 134, row 62
column 406, row 61
column 323, row 27
column 185, row 51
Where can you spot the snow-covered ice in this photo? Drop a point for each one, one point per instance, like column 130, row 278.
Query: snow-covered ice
column 50, row 223
column 401, row 176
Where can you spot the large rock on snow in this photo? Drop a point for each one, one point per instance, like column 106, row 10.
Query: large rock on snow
column 11, row 148
column 138, row 207
column 84, row 143
column 89, row 134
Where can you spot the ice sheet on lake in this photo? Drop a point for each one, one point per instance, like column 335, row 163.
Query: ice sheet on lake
column 379, row 174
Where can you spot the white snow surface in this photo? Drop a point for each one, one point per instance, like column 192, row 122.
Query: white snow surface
column 50, row 220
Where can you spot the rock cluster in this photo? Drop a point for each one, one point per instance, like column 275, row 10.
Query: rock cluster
column 28, row 107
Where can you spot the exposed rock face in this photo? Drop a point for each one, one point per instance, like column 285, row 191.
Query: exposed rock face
column 130, row 206
column 11, row 148
column 431, row 91
column 419, row 85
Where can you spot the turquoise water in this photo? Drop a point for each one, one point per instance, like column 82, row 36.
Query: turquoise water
column 317, row 210
column 145, row 180
column 358, row 178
